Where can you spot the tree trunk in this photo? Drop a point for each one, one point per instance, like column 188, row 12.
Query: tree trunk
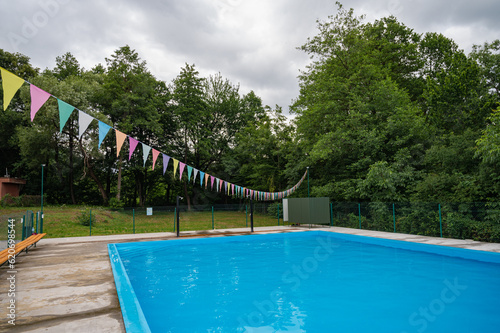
column 187, row 196
column 168, row 194
column 188, row 200
column 119, row 180
column 93, row 175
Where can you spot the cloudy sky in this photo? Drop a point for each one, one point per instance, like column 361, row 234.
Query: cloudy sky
column 251, row 42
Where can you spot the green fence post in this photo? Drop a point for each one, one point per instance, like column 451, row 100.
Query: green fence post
column 36, row 224
column 133, row 219
column 175, row 214
column 278, row 214
column 394, row 216
column 246, row 216
column 359, row 214
column 90, row 224
column 24, row 228
column 440, row 222
column 331, row 214
column 213, row 227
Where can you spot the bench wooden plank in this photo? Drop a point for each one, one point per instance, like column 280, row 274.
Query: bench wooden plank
column 5, row 255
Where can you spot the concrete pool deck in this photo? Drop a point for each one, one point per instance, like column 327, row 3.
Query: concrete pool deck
column 66, row 284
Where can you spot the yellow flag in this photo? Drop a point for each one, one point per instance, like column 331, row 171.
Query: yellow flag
column 11, row 84
column 120, row 138
column 176, row 164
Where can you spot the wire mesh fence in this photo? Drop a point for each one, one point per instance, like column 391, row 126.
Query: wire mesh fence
column 478, row 221
column 98, row 221
column 17, row 227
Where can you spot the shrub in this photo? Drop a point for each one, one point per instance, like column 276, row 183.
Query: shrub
column 116, row 204
column 9, row 201
column 84, row 217
column 272, row 210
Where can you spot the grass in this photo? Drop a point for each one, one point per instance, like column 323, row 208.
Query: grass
column 66, row 221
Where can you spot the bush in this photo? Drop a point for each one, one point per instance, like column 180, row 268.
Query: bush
column 21, row 201
column 272, row 210
column 9, row 201
column 116, row 204
column 84, row 217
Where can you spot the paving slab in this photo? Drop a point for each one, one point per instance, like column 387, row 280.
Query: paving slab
column 67, row 285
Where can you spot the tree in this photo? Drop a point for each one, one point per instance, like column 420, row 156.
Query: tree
column 19, row 65
column 457, row 97
column 66, row 66
column 41, row 141
column 351, row 111
column 488, row 58
column 488, row 145
column 260, row 155
column 134, row 101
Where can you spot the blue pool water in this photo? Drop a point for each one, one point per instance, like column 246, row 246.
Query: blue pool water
column 305, row 282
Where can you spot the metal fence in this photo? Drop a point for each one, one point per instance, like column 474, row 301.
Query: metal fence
column 477, row 221
column 194, row 217
column 18, row 226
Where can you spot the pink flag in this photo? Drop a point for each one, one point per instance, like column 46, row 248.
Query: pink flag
column 212, row 179
column 133, row 143
column 38, row 98
column 156, row 153
column 181, row 169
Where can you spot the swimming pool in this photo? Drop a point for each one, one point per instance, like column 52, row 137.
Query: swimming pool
column 311, row 281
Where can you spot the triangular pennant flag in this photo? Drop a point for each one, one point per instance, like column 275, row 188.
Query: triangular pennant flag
column 145, row 152
column 176, row 165
column 232, row 187
column 65, row 111
column 10, row 84
column 206, row 180
column 190, row 171
column 84, row 121
column 103, row 131
column 120, row 139
column 181, row 169
column 166, row 159
column 225, row 187
column 156, row 153
column 220, row 185
column 202, row 176
column 212, row 178
column 195, row 174
column 132, row 144
column 38, row 98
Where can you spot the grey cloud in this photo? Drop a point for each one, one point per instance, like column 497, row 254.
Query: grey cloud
column 250, row 43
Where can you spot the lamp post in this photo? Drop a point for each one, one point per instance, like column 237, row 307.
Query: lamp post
column 41, row 211
column 308, row 182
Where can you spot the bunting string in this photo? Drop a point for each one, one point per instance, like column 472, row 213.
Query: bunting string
column 11, row 83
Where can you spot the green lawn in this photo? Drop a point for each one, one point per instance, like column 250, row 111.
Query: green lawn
column 65, row 221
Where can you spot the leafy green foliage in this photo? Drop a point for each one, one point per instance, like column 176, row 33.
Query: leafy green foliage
column 384, row 114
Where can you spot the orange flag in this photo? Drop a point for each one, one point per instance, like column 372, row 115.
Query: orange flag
column 120, row 138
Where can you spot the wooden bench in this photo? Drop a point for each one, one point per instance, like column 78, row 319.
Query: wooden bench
column 8, row 253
